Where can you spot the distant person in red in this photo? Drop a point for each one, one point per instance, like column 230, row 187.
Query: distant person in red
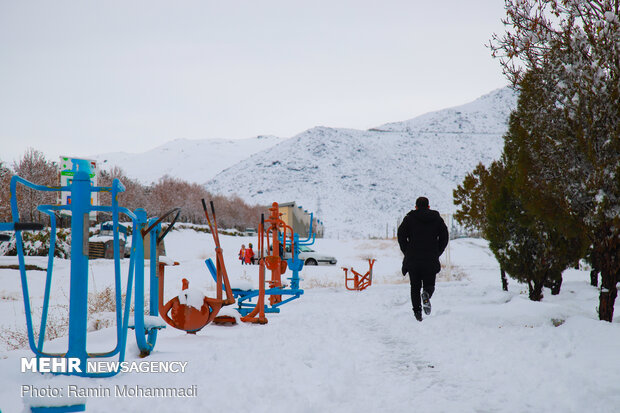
column 249, row 255
column 242, row 254
column 422, row 237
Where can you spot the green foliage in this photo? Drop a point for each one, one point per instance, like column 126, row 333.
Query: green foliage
column 474, row 195
column 513, row 205
column 471, row 197
column 514, row 241
column 569, row 50
column 527, row 246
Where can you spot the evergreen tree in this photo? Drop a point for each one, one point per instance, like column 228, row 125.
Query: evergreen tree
column 472, row 197
column 513, row 237
column 594, row 271
column 573, row 47
column 526, row 246
column 516, row 210
column 532, row 122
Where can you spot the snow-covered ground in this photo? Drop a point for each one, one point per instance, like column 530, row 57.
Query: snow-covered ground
column 333, row 350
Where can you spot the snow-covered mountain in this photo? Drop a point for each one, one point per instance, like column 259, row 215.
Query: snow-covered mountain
column 191, row 160
column 358, row 182
column 486, row 115
column 363, row 182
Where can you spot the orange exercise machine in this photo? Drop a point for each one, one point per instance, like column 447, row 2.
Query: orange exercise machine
column 190, row 311
column 360, row 282
column 257, row 315
column 275, row 263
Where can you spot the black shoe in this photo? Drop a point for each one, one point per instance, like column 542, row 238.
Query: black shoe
column 418, row 314
column 426, row 303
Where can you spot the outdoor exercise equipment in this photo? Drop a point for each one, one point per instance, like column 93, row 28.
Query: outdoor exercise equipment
column 80, row 207
column 222, row 276
column 80, row 407
column 101, row 245
column 273, row 233
column 191, row 310
column 256, row 315
column 360, row 282
column 146, row 327
column 295, row 263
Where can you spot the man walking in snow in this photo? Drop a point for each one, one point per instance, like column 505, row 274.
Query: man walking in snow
column 422, row 236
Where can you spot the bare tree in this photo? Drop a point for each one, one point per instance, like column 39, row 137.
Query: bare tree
column 5, row 206
column 135, row 194
column 170, row 192
column 35, row 168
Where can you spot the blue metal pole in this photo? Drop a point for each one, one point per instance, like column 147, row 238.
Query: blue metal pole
column 138, row 311
column 153, row 283
column 78, row 296
column 295, row 263
column 48, row 279
column 145, row 346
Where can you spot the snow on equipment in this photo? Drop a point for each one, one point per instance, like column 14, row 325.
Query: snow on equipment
column 80, row 207
column 360, row 282
column 191, row 310
column 272, row 239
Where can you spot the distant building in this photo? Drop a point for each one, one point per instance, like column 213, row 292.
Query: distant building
column 299, row 219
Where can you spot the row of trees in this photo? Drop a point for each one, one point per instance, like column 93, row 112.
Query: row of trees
column 158, row 198
column 554, row 195
column 34, row 167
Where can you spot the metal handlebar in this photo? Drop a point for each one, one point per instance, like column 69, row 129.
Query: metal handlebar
column 174, row 220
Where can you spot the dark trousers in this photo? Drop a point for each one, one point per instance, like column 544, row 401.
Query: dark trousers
column 421, row 277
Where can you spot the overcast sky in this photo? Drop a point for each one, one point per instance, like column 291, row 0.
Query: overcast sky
column 86, row 77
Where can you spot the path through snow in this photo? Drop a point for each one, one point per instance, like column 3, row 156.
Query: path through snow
column 482, row 349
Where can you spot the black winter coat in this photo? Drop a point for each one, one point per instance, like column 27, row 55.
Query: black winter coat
column 423, row 237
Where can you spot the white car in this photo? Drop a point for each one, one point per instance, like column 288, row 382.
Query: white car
column 249, row 232
column 311, row 257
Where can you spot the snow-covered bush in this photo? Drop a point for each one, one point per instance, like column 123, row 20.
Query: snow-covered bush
column 36, row 243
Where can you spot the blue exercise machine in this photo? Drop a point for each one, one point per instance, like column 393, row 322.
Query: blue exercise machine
column 293, row 291
column 294, row 263
column 80, row 207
